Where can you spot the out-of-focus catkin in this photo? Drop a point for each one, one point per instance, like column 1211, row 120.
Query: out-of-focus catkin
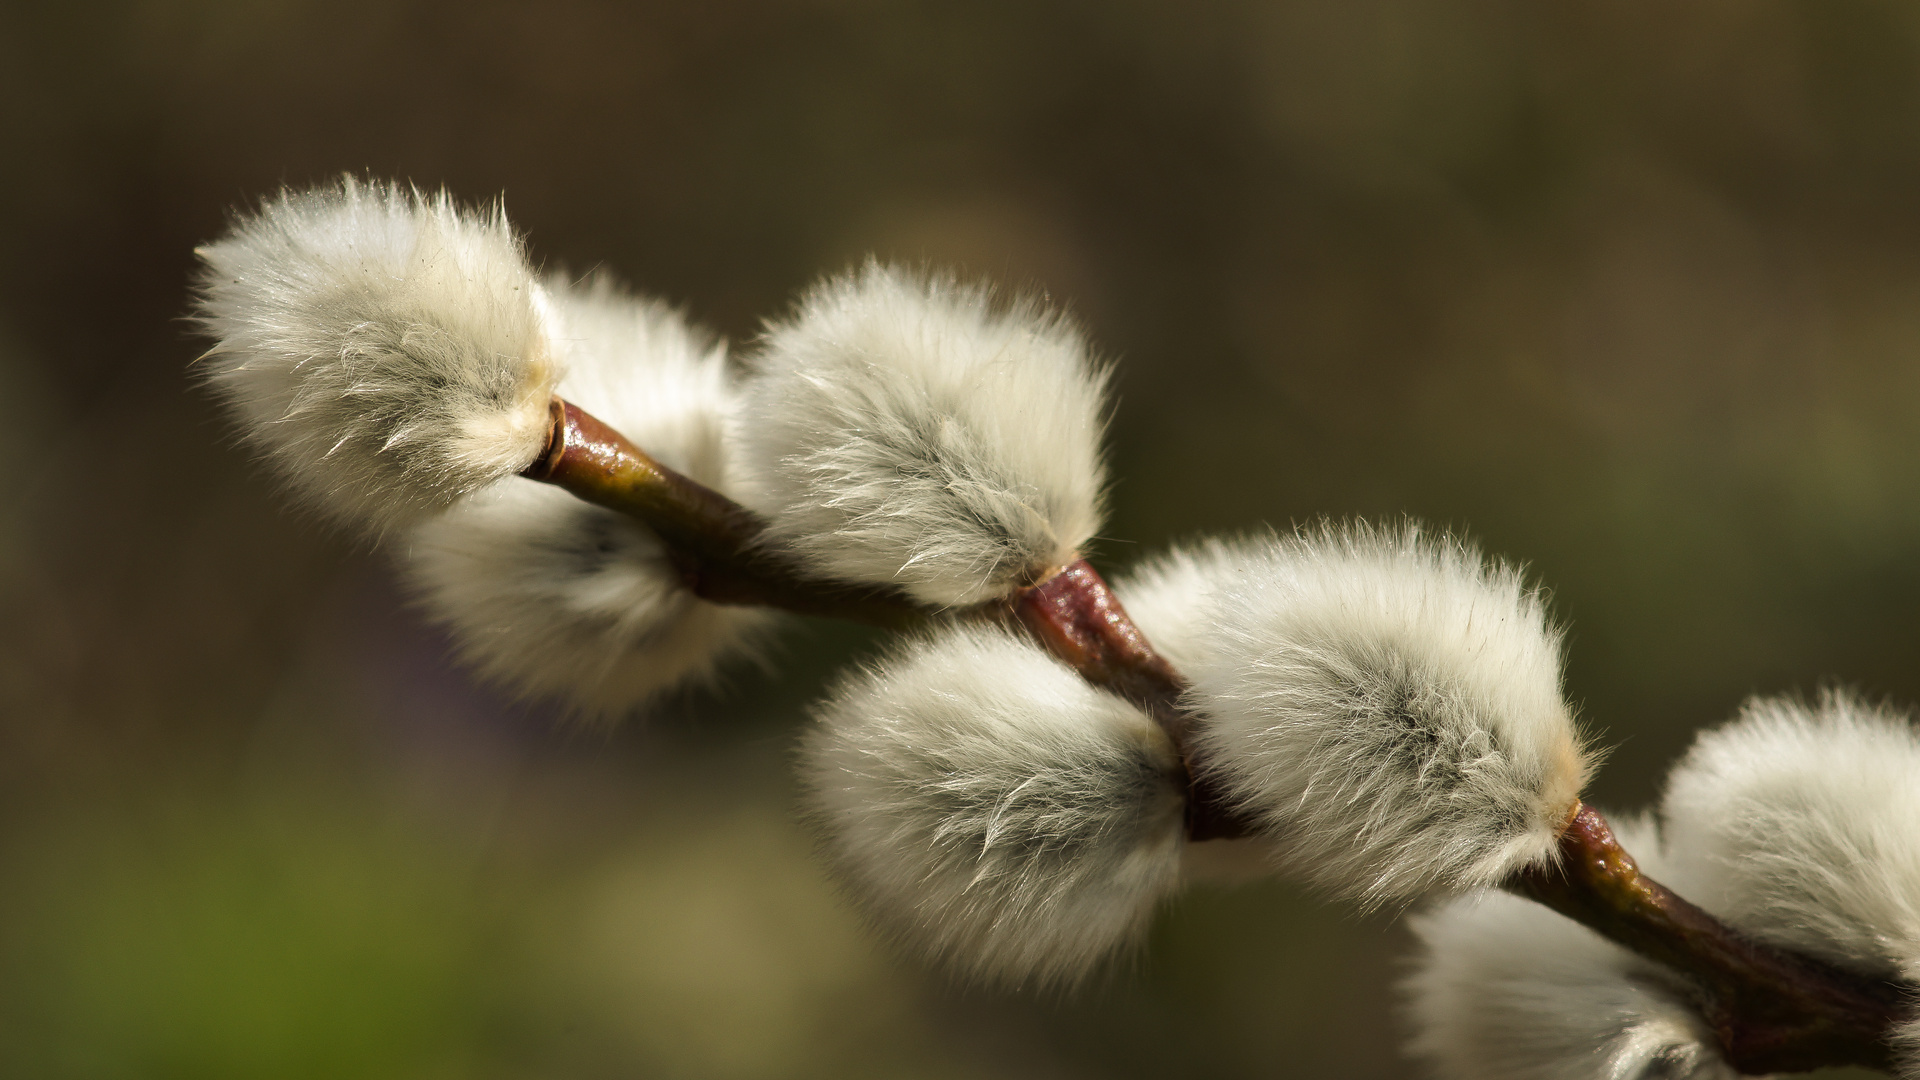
column 1797, row 822
column 1504, row 989
column 989, row 809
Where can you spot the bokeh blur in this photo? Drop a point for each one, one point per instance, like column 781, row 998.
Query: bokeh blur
column 1628, row 290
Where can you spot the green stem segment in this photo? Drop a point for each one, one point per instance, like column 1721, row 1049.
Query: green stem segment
column 1771, row 1011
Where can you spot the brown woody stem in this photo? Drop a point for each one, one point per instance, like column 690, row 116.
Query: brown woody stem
column 1770, row 1010
column 1079, row 620
column 720, row 550
column 717, row 544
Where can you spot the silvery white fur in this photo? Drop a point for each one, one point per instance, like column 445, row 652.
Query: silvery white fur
column 551, row 596
column 1508, row 990
column 986, row 806
column 384, row 349
column 1802, row 826
column 1385, row 703
column 1803, row 822
column 1169, row 597
column 906, row 430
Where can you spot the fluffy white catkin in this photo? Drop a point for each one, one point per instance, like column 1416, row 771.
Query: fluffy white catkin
column 1385, row 703
column 551, row 596
column 1505, row 989
column 1172, row 597
column 907, row 430
column 1802, row 825
column 383, row 349
column 988, row 808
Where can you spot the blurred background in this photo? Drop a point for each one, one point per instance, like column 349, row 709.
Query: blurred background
column 1628, row 290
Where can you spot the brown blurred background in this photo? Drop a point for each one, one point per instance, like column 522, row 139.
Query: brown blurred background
column 1629, row 290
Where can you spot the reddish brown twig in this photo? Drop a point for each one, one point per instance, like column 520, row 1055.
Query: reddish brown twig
column 1079, row 620
column 1770, row 1010
column 716, row 543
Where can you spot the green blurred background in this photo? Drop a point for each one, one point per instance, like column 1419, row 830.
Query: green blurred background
column 1629, row 290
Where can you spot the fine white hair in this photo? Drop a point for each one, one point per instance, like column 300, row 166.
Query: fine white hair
column 382, row 348
column 1799, row 823
column 989, row 809
column 908, row 430
column 1170, row 598
column 551, row 596
column 1505, row 989
column 1384, row 703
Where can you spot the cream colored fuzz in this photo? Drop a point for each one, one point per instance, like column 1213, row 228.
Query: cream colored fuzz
column 910, row 431
column 1802, row 819
column 552, row 597
column 989, row 809
column 383, row 349
column 1505, row 989
column 1801, row 823
column 1171, row 597
column 1385, row 703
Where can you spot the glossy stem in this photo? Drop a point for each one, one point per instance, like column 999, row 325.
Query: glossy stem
column 720, row 550
column 1078, row 619
column 1771, row 1011
column 716, row 543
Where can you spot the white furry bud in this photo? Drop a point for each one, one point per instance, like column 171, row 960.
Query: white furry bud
column 906, row 431
column 1386, row 705
column 1508, row 990
column 1802, row 827
column 551, row 596
column 987, row 807
column 1171, row 598
column 384, row 349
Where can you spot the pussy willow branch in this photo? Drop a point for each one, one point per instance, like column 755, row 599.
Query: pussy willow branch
column 716, row 543
column 1770, row 1010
